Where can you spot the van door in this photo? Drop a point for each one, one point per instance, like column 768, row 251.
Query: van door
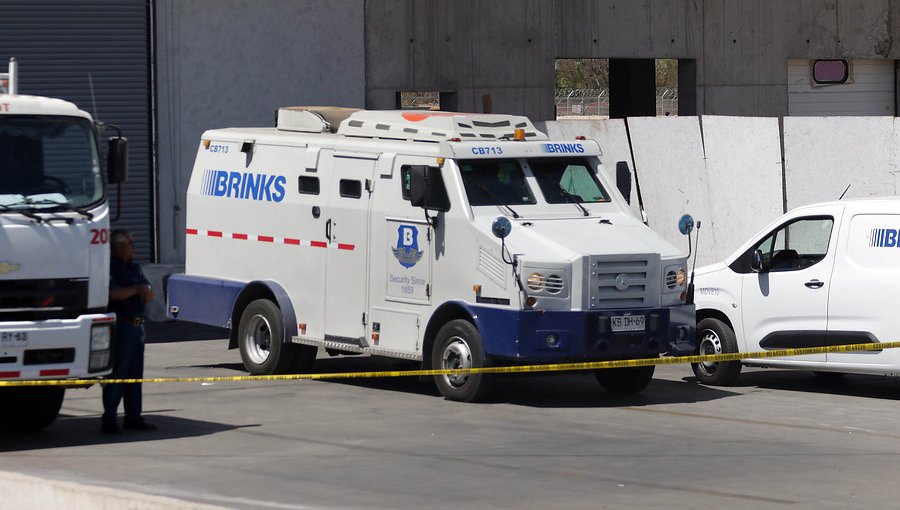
column 786, row 306
column 347, row 235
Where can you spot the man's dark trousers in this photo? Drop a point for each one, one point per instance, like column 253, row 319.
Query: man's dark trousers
column 128, row 363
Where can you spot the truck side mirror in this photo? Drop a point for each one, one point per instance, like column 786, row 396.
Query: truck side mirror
column 117, row 160
column 623, row 180
column 426, row 188
column 757, row 263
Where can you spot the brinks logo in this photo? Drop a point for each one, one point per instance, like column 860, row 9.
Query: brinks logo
column 884, row 238
column 407, row 250
column 247, row 186
column 564, row 148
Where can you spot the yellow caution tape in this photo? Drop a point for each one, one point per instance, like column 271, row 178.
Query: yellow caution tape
column 555, row 367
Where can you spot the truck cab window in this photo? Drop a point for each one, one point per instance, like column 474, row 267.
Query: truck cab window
column 350, row 188
column 308, row 185
column 495, row 182
column 565, row 180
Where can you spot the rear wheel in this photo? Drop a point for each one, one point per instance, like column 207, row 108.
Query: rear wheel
column 459, row 345
column 261, row 340
column 625, row 381
column 29, row 409
column 716, row 337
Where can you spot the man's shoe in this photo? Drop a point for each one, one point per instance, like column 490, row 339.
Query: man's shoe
column 138, row 424
column 110, row 427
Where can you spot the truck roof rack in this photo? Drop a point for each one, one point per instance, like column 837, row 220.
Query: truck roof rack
column 411, row 125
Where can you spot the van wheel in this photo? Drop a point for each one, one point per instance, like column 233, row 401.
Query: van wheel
column 458, row 345
column 625, row 381
column 716, row 337
column 261, row 339
column 30, row 409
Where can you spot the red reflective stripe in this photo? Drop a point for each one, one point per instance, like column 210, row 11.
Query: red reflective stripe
column 239, row 236
column 265, row 239
column 288, row 240
column 191, row 231
column 7, row 375
column 345, row 246
column 318, row 244
column 214, row 233
column 54, row 372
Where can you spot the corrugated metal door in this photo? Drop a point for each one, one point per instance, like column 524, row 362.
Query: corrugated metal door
column 63, row 45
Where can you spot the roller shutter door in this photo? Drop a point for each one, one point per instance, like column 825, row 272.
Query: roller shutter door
column 58, row 45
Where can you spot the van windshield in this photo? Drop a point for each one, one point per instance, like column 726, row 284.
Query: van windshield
column 46, row 161
column 495, row 182
column 567, row 180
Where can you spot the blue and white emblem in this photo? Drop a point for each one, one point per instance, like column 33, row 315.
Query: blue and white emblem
column 407, row 250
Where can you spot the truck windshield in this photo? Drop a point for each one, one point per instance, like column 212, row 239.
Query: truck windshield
column 495, row 182
column 565, row 180
column 48, row 160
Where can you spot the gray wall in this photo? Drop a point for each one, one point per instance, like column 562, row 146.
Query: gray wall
column 223, row 63
column 507, row 49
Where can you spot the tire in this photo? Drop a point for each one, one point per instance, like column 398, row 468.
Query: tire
column 30, row 409
column 716, row 337
column 625, row 381
column 261, row 340
column 458, row 345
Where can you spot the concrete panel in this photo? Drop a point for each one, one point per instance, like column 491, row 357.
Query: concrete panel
column 668, row 157
column 227, row 63
column 864, row 28
column 825, row 154
column 743, row 165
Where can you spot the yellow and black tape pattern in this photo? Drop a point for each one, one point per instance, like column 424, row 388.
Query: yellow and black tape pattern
column 555, row 367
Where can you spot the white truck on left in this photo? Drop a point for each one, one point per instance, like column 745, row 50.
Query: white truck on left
column 54, row 251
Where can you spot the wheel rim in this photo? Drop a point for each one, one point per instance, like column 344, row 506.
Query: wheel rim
column 710, row 343
column 456, row 355
column 258, row 339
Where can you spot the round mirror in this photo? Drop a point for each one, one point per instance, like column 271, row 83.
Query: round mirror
column 501, row 227
column 686, row 224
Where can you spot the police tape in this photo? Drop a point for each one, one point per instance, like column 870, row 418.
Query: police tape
column 514, row 369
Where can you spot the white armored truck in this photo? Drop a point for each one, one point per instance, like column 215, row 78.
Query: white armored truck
column 458, row 240
column 54, row 252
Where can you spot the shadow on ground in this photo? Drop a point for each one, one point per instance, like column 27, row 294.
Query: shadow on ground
column 179, row 331
column 804, row 381
column 69, row 431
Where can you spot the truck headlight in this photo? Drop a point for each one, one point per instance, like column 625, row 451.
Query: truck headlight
column 681, row 279
column 101, row 338
column 535, row 282
column 675, row 277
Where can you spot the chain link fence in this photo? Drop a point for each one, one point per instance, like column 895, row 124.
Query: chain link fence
column 595, row 102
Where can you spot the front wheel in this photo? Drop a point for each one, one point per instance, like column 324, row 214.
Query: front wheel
column 716, row 337
column 261, row 340
column 625, row 381
column 459, row 345
column 30, row 409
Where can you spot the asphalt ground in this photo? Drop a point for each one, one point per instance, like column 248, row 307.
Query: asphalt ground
column 777, row 439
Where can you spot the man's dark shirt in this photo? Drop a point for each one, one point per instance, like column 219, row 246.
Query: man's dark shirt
column 125, row 274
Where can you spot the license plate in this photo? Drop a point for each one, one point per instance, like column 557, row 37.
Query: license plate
column 14, row 339
column 627, row 323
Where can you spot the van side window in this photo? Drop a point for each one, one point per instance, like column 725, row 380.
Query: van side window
column 792, row 247
column 350, row 188
column 308, row 185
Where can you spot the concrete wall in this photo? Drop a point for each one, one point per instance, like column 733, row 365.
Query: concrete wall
column 507, row 49
column 224, row 63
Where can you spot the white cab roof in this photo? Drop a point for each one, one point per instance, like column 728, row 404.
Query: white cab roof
column 36, row 105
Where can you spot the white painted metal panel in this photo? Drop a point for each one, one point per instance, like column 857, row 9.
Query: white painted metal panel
column 868, row 91
column 743, row 164
column 668, row 156
column 825, row 154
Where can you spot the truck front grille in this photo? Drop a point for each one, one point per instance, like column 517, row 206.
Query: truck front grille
column 617, row 282
column 45, row 298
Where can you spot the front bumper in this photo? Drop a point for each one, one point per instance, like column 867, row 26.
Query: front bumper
column 584, row 335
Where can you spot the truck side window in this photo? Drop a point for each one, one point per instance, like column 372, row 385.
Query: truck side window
column 404, row 182
column 792, row 247
column 350, row 188
column 308, row 185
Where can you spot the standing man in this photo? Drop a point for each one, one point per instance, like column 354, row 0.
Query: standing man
column 129, row 291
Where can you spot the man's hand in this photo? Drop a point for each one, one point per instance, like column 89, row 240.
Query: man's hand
column 145, row 292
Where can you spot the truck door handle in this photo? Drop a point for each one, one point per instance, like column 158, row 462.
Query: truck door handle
column 328, row 229
column 814, row 284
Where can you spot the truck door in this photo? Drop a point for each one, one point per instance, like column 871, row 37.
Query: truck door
column 347, row 234
column 786, row 306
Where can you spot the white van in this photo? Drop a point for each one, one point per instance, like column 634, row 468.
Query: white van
column 457, row 240
column 823, row 274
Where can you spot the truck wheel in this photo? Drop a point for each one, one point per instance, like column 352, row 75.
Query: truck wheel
column 458, row 345
column 30, row 409
column 625, row 381
column 716, row 337
column 261, row 339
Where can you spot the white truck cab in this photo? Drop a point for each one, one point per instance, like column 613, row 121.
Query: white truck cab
column 54, row 252
column 457, row 240
column 823, row 274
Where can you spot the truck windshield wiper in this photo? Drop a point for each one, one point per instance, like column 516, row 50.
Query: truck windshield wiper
column 24, row 212
column 62, row 205
column 490, row 195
